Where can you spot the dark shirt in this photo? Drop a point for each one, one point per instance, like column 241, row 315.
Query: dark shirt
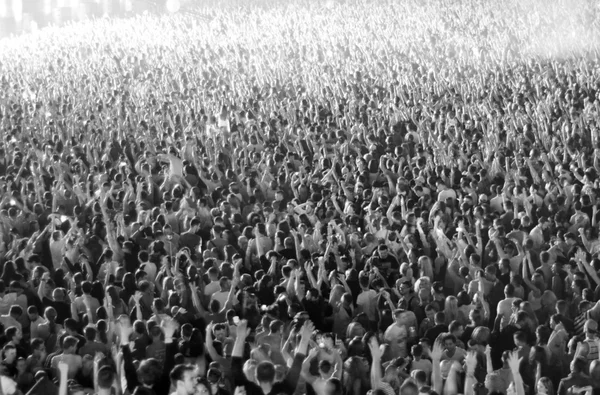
column 190, row 240
column 131, row 262
column 504, row 278
column 315, row 309
column 63, row 310
column 387, row 265
column 288, row 253
column 9, row 369
column 433, row 333
column 162, row 384
column 139, row 347
column 287, row 386
column 572, row 380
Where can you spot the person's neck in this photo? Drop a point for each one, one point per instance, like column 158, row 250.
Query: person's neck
column 104, row 391
column 266, row 387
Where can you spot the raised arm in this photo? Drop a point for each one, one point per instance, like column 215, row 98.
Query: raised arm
column 513, row 363
column 125, row 330
column 196, row 300
column 169, row 327
column 63, row 369
column 111, row 236
column 436, row 374
column 214, row 355
column 470, row 380
column 306, row 366
column 376, row 365
column 242, row 331
column 293, row 375
column 451, row 384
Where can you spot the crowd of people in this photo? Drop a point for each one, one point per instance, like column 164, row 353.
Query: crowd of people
column 304, row 197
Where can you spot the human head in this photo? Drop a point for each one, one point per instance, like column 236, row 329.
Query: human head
column 450, row 343
column 106, row 377
column 10, row 353
column 265, row 373
column 184, row 378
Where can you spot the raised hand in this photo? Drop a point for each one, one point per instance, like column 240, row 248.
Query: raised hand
column 437, row 351
column 169, row 326
column 125, row 329
column 98, row 357
column 513, row 362
column 307, row 330
column 471, row 361
column 242, row 329
column 374, row 348
column 137, row 297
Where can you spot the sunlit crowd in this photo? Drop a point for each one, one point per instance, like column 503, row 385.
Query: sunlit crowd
column 323, row 198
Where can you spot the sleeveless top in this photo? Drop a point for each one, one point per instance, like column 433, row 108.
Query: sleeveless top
column 592, row 351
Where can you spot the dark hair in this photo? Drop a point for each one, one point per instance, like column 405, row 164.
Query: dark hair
column 90, row 333
column 178, row 372
column 86, row 287
column 337, row 384
column 149, row 371
column 265, row 372
column 105, row 377
column 11, row 332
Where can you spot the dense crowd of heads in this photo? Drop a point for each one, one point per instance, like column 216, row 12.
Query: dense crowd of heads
column 297, row 197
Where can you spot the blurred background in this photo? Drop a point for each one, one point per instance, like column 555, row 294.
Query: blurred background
column 22, row 16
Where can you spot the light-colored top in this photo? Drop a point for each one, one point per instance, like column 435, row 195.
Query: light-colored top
column 366, row 302
column 504, row 310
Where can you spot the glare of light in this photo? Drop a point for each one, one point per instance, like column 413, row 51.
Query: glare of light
column 330, row 4
column 34, row 26
column 18, row 10
column 173, row 6
column 47, row 7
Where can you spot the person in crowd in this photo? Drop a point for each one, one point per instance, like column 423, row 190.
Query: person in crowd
column 339, row 197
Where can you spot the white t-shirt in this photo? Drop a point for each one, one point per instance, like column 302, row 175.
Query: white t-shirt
column 56, row 252
column 150, row 269
column 367, row 302
column 445, row 194
column 211, row 288
column 504, row 310
column 459, row 355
